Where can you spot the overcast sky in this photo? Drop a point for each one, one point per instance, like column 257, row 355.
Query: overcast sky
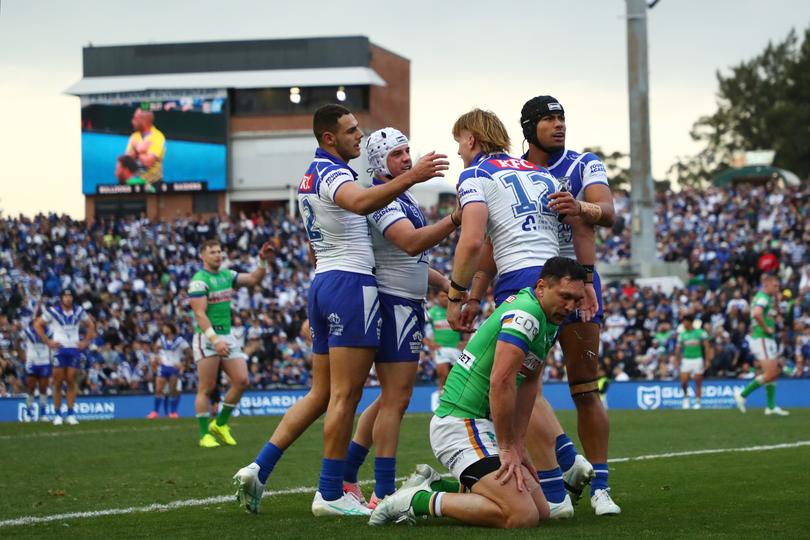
column 463, row 55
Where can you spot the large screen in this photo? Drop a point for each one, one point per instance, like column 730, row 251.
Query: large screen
column 154, row 143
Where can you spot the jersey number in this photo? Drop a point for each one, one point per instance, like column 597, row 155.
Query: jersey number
column 313, row 232
column 525, row 206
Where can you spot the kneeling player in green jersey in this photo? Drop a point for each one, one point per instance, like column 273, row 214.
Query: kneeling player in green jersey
column 692, row 344
column 762, row 343
column 479, row 429
column 210, row 292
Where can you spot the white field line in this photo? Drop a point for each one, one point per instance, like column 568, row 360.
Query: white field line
column 761, row 448
column 67, row 431
column 163, row 507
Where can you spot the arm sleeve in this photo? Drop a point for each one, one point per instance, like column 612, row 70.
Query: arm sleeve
column 759, row 301
column 333, row 180
column 197, row 288
column 519, row 328
column 386, row 216
column 470, row 188
column 46, row 316
column 593, row 171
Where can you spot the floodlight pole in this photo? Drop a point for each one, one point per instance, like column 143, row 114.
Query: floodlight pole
column 643, row 245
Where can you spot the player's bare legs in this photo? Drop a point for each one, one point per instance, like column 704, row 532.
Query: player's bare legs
column 379, row 425
column 496, row 505
column 207, row 369
column 542, row 439
column 349, row 367
column 492, row 503
column 207, row 375
column 540, row 436
column 252, row 478
column 58, row 378
column 307, row 409
column 70, row 378
column 397, row 380
column 236, row 370
column 364, row 431
column 580, row 345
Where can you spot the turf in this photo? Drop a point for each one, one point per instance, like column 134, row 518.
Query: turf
column 95, row 466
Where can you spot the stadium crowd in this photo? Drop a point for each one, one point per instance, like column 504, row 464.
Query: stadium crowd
column 131, row 275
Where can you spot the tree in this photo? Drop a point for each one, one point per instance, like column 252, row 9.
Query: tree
column 763, row 103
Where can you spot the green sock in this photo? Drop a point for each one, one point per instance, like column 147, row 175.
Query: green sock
column 225, row 413
column 753, row 385
column 448, row 486
column 770, row 392
column 202, row 419
column 421, row 503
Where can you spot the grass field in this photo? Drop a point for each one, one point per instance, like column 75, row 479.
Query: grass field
column 129, row 465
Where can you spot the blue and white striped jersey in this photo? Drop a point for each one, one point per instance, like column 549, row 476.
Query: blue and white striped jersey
column 521, row 225
column 575, row 172
column 341, row 239
column 398, row 273
column 65, row 324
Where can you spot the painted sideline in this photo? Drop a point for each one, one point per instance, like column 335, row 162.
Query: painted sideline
column 162, row 507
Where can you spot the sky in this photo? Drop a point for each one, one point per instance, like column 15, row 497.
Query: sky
column 463, row 55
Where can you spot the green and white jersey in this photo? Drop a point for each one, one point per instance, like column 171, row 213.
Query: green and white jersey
column 766, row 303
column 519, row 320
column 691, row 342
column 218, row 289
column 443, row 335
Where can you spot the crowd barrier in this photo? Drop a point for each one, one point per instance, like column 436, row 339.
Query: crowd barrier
column 647, row 395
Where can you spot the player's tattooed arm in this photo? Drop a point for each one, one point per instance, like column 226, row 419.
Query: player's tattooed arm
column 599, row 201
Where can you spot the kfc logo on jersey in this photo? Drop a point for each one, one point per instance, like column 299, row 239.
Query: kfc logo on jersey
column 513, row 163
column 306, row 182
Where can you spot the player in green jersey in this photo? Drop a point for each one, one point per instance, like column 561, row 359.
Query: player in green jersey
column 692, row 343
column 479, row 429
column 210, row 292
column 445, row 341
column 762, row 342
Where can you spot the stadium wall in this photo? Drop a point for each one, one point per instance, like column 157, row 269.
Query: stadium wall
column 649, row 395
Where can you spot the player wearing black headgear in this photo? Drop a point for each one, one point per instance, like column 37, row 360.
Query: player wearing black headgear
column 535, row 109
column 588, row 203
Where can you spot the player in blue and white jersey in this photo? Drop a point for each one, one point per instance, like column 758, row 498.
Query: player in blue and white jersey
column 401, row 237
column 583, row 175
column 507, row 199
column 65, row 320
column 38, row 368
column 172, row 350
column 344, row 308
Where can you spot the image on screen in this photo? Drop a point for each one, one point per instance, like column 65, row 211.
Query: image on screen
column 148, row 145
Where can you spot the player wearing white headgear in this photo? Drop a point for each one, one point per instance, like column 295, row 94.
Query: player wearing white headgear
column 400, row 239
column 343, row 306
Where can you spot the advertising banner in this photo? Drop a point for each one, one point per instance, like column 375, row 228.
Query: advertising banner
column 647, row 395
